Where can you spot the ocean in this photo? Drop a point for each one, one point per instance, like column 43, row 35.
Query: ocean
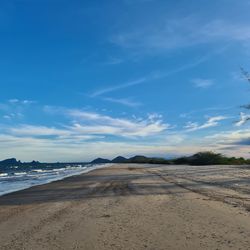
column 16, row 178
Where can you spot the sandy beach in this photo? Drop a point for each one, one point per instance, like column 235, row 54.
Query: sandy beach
column 132, row 207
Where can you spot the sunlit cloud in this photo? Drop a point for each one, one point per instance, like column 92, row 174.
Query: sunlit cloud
column 31, row 130
column 103, row 124
column 211, row 122
column 231, row 137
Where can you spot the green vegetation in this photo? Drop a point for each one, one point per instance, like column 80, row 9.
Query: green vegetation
column 210, row 158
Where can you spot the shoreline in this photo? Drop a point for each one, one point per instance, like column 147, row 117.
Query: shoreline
column 87, row 169
column 132, row 206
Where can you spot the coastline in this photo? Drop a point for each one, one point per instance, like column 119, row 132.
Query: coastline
column 132, row 206
column 86, row 169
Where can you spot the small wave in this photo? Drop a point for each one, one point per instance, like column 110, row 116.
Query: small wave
column 58, row 169
column 13, row 181
column 40, row 170
column 20, row 173
column 3, row 174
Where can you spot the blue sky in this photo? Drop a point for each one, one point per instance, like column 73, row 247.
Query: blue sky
column 81, row 79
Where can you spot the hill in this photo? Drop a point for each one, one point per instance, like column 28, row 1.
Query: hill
column 119, row 159
column 100, row 160
column 210, row 158
column 10, row 162
column 200, row 158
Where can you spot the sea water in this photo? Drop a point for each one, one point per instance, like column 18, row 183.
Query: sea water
column 16, row 178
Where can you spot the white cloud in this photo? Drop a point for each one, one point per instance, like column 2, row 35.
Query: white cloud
column 123, row 101
column 211, row 122
column 117, row 87
column 157, row 74
column 101, row 124
column 11, row 116
column 17, row 101
column 205, row 110
column 53, row 150
column 243, row 119
column 13, row 101
column 14, row 108
column 93, row 124
column 181, row 33
column 202, row 83
column 230, row 137
column 31, row 130
column 29, row 148
column 88, row 137
column 7, row 117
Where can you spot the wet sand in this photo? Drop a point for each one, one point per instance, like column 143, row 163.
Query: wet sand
column 132, row 207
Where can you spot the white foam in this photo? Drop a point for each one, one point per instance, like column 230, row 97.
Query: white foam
column 3, row 174
column 20, row 173
column 39, row 176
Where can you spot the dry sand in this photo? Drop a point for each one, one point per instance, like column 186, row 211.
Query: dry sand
column 132, row 207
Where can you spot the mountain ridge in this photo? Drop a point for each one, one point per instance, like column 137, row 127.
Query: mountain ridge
column 200, row 158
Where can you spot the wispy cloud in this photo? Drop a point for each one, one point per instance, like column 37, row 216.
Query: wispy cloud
column 102, row 124
column 231, row 142
column 157, row 74
column 64, row 135
column 17, row 101
column 181, row 33
column 14, row 108
column 86, row 122
column 11, row 116
column 231, row 137
column 243, row 119
column 114, row 61
column 47, row 149
column 211, row 122
column 90, row 134
column 84, row 132
column 205, row 110
column 202, row 83
column 123, row 101
column 117, row 87
column 31, row 130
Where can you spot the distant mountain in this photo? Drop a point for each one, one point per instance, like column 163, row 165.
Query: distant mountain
column 135, row 159
column 200, row 158
column 13, row 162
column 100, row 160
column 139, row 159
column 10, row 162
column 144, row 159
column 120, row 159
